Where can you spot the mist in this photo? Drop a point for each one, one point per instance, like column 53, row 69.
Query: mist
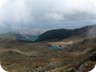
column 40, row 14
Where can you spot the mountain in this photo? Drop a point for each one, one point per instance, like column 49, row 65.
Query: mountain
column 26, row 38
column 59, row 34
column 8, row 36
column 18, row 37
column 56, row 34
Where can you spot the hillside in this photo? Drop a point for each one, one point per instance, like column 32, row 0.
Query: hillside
column 56, row 34
column 73, row 52
column 59, row 34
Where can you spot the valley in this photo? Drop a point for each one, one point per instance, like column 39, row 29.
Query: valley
column 71, row 54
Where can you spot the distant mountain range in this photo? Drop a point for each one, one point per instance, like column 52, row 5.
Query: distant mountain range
column 56, row 34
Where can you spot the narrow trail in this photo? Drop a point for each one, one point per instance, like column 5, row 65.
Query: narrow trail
column 20, row 52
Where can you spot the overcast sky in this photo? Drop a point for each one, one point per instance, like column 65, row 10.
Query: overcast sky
column 47, row 13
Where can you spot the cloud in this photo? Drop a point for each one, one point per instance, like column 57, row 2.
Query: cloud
column 15, row 11
column 46, row 11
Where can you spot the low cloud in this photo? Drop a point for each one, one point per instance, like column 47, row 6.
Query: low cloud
column 46, row 11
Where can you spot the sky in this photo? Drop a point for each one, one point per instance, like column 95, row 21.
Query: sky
column 46, row 14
